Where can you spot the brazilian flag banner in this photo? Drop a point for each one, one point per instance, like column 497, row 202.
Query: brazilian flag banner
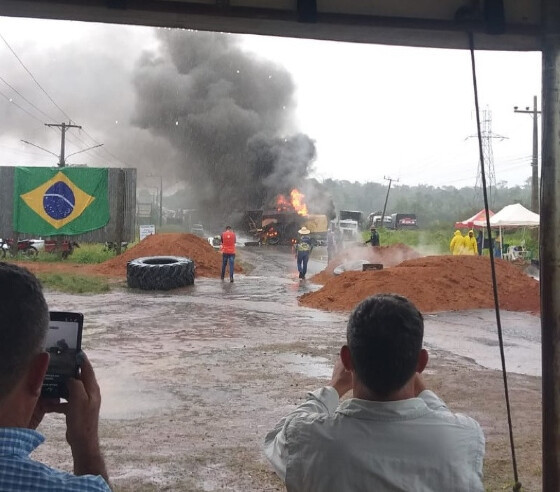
column 67, row 201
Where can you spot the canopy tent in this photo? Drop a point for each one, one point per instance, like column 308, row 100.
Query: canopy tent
column 511, row 217
column 477, row 221
column 515, row 215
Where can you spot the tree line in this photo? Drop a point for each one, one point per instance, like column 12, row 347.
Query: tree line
column 434, row 206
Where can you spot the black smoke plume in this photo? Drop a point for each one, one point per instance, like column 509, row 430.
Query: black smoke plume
column 228, row 116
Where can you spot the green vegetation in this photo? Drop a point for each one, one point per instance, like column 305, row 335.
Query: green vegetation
column 86, row 253
column 90, row 253
column 434, row 206
column 436, row 240
column 74, row 284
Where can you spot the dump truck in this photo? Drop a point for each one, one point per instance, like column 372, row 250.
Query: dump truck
column 318, row 225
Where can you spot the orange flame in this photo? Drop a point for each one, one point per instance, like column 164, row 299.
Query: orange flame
column 295, row 203
column 282, row 203
column 298, row 203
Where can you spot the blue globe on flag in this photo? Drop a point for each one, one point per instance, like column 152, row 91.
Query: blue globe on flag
column 59, row 201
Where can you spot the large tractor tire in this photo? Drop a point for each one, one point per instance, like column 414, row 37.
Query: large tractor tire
column 160, row 272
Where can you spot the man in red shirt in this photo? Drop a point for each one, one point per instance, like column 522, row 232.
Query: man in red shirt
column 228, row 251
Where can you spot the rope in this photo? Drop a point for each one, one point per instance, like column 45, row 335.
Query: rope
column 517, row 485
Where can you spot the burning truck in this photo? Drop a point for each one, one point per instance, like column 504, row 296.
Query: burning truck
column 279, row 225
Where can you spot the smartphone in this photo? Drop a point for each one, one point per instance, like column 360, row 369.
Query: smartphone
column 63, row 343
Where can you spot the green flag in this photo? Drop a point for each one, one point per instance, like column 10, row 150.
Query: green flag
column 67, row 201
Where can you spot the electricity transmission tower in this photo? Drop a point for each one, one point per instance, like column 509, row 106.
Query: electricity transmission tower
column 487, row 152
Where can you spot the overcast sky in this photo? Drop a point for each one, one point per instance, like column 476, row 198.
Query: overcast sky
column 373, row 111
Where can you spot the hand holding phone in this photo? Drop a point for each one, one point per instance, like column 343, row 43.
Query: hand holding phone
column 63, row 343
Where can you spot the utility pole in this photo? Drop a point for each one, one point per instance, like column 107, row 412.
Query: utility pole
column 160, row 195
column 386, row 199
column 63, row 127
column 535, row 162
column 160, row 201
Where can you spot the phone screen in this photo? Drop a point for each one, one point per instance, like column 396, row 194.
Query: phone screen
column 63, row 343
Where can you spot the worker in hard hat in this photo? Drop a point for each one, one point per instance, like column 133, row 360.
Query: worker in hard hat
column 303, row 250
column 469, row 242
column 456, row 244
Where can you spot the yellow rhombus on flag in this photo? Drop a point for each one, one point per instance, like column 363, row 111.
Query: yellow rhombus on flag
column 54, row 202
column 35, row 200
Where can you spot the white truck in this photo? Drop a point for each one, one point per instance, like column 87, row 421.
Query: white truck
column 349, row 223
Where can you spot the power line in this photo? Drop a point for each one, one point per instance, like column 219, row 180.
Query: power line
column 52, row 100
column 34, row 79
column 11, row 101
column 105, row 149
column 27, row 100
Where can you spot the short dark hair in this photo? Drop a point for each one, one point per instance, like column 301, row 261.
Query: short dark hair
column 384, row 335
column 24, row 321
column 228, row 227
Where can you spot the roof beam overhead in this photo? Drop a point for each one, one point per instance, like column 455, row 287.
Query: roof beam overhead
column 427, row 23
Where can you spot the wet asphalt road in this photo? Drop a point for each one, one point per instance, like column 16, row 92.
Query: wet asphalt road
column 192, row 379
column 124, row 329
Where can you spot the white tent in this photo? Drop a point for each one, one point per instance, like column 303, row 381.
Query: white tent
column 510, row 217
column 515, row 215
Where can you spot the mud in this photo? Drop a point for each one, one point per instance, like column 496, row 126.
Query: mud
column 434, row 284
column 193, row 379
column 208, row 261
column 388, row 256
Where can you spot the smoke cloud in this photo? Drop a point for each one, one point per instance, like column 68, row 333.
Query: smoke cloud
column 193, row 107
column 227, row 114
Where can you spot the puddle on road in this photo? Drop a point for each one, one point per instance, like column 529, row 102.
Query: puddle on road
column 314, row 367
column 126, row 397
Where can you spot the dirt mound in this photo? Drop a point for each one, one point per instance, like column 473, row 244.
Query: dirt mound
column 387, row 255
column 208, row 261
column 433, row 283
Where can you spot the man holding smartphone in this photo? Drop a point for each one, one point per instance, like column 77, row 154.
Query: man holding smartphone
column 24, row 321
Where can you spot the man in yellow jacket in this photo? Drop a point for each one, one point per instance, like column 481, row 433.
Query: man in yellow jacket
column 456, row 244
column 471, row 248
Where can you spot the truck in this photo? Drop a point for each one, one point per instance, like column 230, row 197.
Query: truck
column 374, row 220
column 349, row 223
column 404, row 221
column 318, row 225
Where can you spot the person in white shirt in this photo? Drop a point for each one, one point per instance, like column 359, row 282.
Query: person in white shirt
column 393, row 434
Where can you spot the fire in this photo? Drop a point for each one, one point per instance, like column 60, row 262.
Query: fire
column 282, row 204
column 295, row 203
column 298, row 203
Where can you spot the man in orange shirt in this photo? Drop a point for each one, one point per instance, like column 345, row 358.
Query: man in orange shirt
column 228, row 251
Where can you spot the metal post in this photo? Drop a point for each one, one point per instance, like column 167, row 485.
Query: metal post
column 550, row 245
column 535, row 163
column 160, row 201
column 62, row 162
column 119, row 219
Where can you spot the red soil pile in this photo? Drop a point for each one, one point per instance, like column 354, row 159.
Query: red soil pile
column 387, row 255
column 433, row 283
column 208, row 261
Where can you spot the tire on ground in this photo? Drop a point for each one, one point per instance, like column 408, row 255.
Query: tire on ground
column 160, row 272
